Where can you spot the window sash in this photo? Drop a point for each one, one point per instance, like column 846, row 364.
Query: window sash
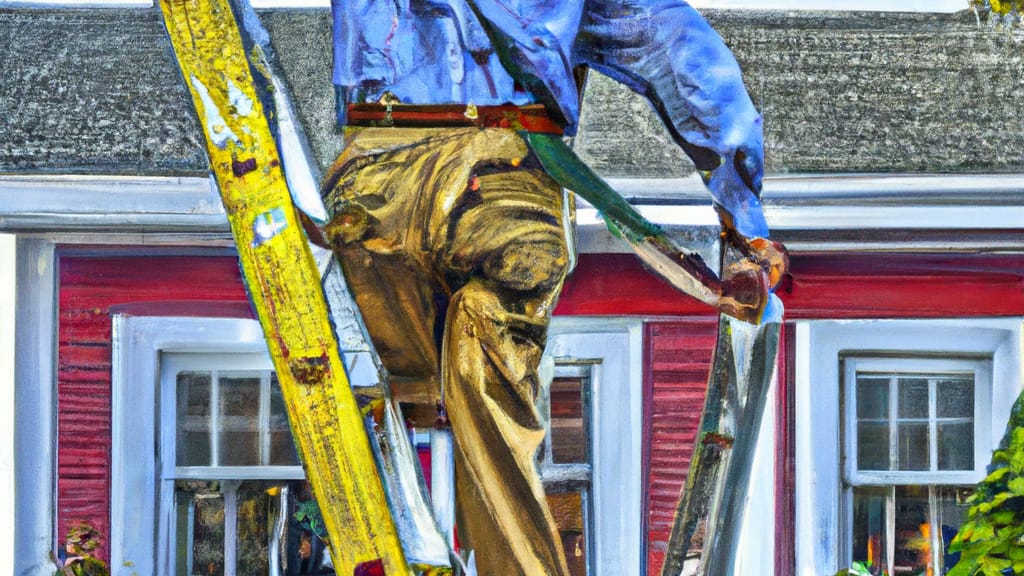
column 923, row 367
column 550, row 471
column 890, row 520
column 233, row 365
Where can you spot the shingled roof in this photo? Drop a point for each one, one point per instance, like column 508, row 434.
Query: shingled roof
column 97, row 92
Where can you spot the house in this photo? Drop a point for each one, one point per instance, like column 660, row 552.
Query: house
column 895, row 161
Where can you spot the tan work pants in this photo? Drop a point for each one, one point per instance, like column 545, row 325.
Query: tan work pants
column 453, row 246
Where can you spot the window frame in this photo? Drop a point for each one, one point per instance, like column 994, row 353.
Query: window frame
column 613, row 349
column 852, row 478
column 171, row 363
column 551, row 471
column 981, row 370
column 136, row 539
column 818, row 476
column 139, row 535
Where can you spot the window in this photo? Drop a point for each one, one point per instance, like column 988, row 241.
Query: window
column 195, row 408
column 231, row 465
column 205, row 476
column 892, row 419
column 565, row 460
column 590, row 462
column 913, row 450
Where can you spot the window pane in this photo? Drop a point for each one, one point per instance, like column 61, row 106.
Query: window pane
column 955, row 398
column 873, row 446
column 569, row 438
column 239, row 439
column 912, row 527
column 193, row 415
column 266, row 528
column 567, row 509
column 869, row 527
column 956, row 446
column 913, row 531
column 201, row 539
column 872, row 398
column 282, row 446
column 913, row 398
column 253, row 528
column 912, row 446
column 951, row 508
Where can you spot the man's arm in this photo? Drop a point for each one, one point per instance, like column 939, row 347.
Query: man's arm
column 666, row 51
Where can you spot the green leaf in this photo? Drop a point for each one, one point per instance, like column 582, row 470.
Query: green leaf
column 1003, row 517
column 1016, row 486
column 983, row 532
column 994, row 566
column 1016, row 553
column 996, row 475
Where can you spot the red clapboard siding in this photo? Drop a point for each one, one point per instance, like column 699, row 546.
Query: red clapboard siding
column 836, row 286
column 677, row 360
column 89, row 287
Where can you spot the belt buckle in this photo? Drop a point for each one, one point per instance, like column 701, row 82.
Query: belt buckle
column 388, row 99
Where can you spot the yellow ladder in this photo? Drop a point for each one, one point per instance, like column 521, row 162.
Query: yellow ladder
column 284, row 287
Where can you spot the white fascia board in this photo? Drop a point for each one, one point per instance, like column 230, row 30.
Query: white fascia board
column 794, row 204
column 117, row 203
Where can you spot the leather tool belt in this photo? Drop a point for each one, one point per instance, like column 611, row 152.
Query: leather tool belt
column 531, row 118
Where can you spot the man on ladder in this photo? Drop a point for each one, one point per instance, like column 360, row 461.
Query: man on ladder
column 446, row 209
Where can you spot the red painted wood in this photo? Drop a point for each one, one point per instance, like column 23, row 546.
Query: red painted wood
column 619, row 284
column 677, row 360
column 839, row 286
column 785, row 455
column 91, row 287
column 678, row 352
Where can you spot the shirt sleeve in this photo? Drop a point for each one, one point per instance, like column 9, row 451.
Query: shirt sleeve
column 666, row 51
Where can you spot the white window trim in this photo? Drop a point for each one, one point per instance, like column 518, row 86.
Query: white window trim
column 615, row 346
column 7, row 397
column 138, row 342
column 35, row 396
column 819, row 346
column 551, row 471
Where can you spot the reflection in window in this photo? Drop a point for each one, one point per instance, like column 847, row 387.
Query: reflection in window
column 247, row 527
column 232, row 418
column 921, row 521
column 899, row 414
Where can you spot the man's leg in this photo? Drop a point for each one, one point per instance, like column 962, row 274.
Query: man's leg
column 492, row 234
column 494, row 337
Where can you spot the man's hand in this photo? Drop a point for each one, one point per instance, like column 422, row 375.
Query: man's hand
column 771, row 256
column 745, row 291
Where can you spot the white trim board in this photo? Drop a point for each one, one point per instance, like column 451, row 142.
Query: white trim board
column 7, row 404
column 35, row 395
column 137, row 342
column 616, row 345
column 971, row 211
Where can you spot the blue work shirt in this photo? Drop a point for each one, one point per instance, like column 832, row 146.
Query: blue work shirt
column 461, row 51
